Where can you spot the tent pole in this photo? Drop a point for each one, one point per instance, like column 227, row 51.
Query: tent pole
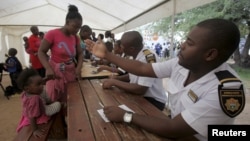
column 172, row 29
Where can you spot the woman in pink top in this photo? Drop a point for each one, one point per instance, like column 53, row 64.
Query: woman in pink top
column 35, row 111
column 64, row 46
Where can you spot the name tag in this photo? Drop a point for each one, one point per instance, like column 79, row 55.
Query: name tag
column 192, row 96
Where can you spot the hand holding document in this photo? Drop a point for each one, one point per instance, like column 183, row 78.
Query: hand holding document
column 101, row 112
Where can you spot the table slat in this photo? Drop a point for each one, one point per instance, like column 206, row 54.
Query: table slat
column 126, row 131
column 102, row 130
column 79, row 128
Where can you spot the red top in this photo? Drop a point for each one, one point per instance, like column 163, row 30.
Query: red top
column 34, row 44
column 63, row 47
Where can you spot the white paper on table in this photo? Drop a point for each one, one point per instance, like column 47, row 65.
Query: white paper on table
column 101, row 113
column 124, row 107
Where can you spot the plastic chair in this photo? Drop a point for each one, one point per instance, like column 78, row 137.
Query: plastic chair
column 1, row 76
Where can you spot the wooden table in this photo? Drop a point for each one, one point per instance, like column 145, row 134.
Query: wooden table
column 88, row 69
column 85, row 124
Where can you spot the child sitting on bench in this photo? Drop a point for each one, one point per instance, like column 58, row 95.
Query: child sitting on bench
column 36, row 107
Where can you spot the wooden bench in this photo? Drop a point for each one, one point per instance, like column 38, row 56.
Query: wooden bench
column 54, row 130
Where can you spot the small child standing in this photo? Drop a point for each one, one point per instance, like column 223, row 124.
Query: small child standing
column 14, row 67
column 36, row 109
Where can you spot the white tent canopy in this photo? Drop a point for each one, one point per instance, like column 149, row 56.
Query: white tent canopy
column 16, row 16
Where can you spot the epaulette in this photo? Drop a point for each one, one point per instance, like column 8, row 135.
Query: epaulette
column 150, row 57
column 231, row 93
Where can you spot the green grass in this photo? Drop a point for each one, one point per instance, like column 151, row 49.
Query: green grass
column 244, row 74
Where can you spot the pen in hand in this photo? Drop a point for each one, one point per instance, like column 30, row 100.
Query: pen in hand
column 101, row 104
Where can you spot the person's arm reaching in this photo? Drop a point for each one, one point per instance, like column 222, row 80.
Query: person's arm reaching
column 132, row 66
column 129, row 87
column 170, row 128
column 108, row 68
column 79, row 60
column 124, row 78
column 42, row 55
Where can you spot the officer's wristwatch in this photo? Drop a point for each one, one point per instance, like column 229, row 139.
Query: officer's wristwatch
column 128, row 117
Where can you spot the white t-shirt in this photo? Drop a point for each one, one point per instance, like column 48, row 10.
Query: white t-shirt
column 206, row 110
column 155, row 86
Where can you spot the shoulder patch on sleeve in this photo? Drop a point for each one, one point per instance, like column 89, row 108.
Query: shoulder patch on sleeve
column 150, row 57
column 231, row 93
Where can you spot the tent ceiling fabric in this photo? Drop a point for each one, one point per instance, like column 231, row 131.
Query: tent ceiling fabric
column 16, row 16
column 98, row 14
column 116, row 15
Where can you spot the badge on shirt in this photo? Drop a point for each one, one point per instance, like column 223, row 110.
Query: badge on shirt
column 150, row 57
column 231, row 93
column 232, row 101
column 192, row 96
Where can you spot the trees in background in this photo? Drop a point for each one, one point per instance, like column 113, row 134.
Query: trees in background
column 237, row 11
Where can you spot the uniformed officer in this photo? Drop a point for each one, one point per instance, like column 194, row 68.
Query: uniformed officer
column 203, row 89
column 151, row 88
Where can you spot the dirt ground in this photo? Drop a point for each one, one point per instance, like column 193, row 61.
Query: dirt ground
column 11, row 112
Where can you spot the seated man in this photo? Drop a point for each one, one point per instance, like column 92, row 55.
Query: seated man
column 151, row 88
column 195, row 83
